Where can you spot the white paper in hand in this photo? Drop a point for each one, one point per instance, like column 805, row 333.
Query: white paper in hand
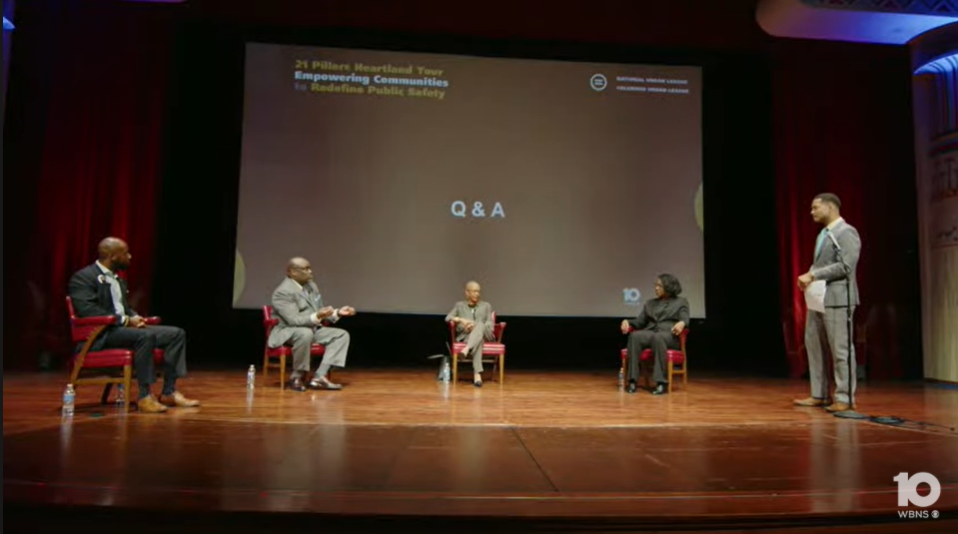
column 815, row 296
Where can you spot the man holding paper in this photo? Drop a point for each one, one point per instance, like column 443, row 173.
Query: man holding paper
column 831, row 293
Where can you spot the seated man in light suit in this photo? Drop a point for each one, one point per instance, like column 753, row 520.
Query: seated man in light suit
column 303, row 321
column 473, row 319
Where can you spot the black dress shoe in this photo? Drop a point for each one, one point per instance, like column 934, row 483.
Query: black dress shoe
column 296, row 384
column 632, row 387
column 661, row 389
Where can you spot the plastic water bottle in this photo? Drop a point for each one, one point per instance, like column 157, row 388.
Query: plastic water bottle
column 621, row 379
column 445, row 371
column 69, row 396
column 120, row 394
column 251, row 377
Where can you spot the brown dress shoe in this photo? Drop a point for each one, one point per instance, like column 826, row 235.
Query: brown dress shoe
column 178, row 400
column 149, row 405
column 837, row 407
column 810, row 402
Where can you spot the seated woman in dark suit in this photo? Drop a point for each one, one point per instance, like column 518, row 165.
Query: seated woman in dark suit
column 657, row 327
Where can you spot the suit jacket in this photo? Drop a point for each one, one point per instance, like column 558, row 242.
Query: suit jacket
column 295, row 310
column 89, row 289
column 482, row 312
column 660, row 315
column 828, row 267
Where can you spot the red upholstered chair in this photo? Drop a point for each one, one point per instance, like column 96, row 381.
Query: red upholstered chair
column 276, row 358
column 677, row 364
column 85, row 330
column 492, row 351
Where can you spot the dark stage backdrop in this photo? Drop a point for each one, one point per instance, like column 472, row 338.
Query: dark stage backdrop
column 83, row 140
column 87, row 161
column 843, row 123
column 737, row 165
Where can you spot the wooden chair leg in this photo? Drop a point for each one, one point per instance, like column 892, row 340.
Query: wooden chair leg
column 265, row 364
column 685, row 374
column 671, row 368
column 127, row 380
column 455, row 368
column 282, row 372
column 502, row 368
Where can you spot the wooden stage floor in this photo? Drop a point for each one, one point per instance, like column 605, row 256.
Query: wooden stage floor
column 561, row 449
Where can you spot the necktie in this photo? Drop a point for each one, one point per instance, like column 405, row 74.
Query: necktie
column 820, row 241
column 117, row 294
column 307, row 291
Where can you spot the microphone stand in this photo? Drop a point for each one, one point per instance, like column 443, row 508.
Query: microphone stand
column 850, row 413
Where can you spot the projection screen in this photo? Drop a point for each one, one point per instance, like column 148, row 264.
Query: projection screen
column 564, row 188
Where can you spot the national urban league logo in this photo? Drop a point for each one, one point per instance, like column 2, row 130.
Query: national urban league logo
column 631, row 296
column 908, row 493
column 598, row 82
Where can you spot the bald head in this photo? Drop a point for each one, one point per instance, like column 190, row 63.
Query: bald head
column 473, row 291
column 300, row 270
column 114, row 253
column 297, row 262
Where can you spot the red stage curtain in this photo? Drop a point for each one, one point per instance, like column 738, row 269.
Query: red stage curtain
column 98, row 117
column 843, row 123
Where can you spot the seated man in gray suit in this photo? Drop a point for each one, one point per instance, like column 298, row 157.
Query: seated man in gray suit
column 303, row 320
column 473, row 319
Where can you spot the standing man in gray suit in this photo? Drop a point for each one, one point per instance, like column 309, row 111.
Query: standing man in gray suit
column 473, row 319
column 836, row 259
column 303, row 320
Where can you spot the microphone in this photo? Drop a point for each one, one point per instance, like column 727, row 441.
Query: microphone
column 834, row 241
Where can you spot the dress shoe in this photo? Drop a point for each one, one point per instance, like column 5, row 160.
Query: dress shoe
column 632, row 388
column 296, row 384
column 323, row 383
column 149, row 405
column 660, row 389
column 838, row 407
column 178, row 400
column 810, row 402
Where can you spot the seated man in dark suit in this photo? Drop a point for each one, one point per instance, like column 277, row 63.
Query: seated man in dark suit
column 657, row 327
column 96, row 291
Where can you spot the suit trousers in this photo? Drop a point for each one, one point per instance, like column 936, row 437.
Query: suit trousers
column 659, row 342
column 828, row 333
column 142, row 341
column 481, row 333
column 335, row 340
